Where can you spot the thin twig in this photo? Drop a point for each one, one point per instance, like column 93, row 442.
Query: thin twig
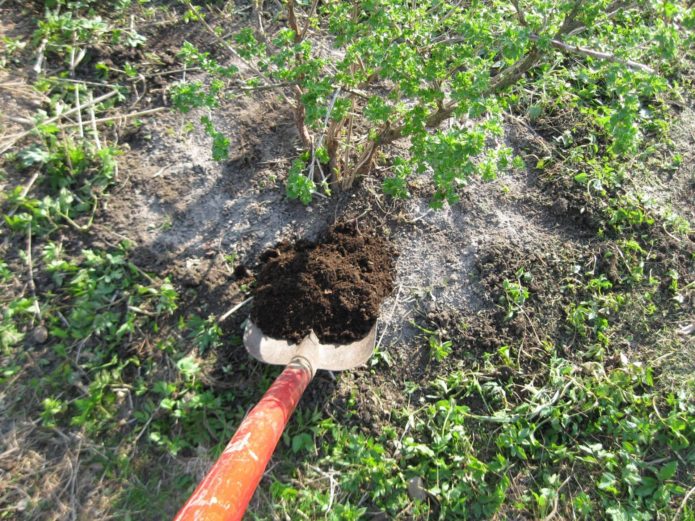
column 84, row 82
column 120, row 117
column 231, row 49
column 72, row 54
column 75, row 468
column 314, row 4
column 683, row 503
column 324, row 179
column 40, row 56
column 63, row 319
column 263, row 87
column 553, row 512
column 323, row 133
column 233, row 310
column 348, row 141
column 142, row 273
column 172, row 71
column 333, row 486
column 541, row 140
column 32, row 285
column 23, row 121
column 141, row 311
column 147, row 424
column 420, row 217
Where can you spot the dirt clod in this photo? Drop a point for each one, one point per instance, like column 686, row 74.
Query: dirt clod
column 560, row 206
column 242, row 272
column 40, row 335
column 334, row 286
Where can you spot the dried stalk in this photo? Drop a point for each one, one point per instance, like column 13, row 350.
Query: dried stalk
column 94, row 121
column 118, row 117
column 79, row 111
column 22, row 135
column 32, row 284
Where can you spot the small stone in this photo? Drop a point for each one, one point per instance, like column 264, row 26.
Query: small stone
column 416, row 489
column 40, row 334
column 454, row 277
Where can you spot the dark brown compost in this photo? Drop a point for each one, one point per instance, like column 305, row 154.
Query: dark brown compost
column 334, row 286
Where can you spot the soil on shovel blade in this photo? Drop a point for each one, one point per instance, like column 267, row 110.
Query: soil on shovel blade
column 333, row 286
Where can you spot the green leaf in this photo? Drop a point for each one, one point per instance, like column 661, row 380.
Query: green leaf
column 188, row 366
column 534, row 112
column 33, row 155
column 607, row 482
column 189, row 95
column 377, row 110
column 582, row 178
column 302, row 442
column 649, row 485
column 300, row 186
column 668, row 470
column 167, row 404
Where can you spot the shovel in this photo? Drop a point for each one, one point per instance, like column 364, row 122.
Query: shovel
column 227, row 488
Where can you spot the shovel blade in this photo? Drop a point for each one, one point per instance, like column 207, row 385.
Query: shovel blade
column 330, row 357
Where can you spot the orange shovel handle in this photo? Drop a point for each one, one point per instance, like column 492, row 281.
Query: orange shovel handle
column 227, row 488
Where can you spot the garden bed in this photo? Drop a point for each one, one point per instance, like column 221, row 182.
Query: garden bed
column 522, row 332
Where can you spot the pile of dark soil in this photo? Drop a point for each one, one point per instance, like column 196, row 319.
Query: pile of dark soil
column 333, row 286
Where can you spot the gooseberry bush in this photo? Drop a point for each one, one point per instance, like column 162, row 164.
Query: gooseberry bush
column 440, row 76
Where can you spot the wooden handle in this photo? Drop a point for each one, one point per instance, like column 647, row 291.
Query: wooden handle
column 226, row 490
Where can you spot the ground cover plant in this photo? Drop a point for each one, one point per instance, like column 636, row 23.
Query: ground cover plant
column 535, row 360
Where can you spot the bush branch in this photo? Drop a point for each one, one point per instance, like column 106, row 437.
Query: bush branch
column 567, row 48
column 292, row 21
